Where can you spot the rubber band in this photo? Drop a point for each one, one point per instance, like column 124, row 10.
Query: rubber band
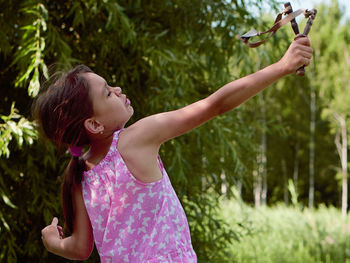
column 76, row 151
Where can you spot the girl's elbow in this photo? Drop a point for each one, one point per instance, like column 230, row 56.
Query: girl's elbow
column 84, row 257
column 83, row 253
column 217, row 108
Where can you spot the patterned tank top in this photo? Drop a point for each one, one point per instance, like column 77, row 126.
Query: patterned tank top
column 134, row 221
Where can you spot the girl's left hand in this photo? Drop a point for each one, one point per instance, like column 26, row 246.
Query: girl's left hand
column 51, row 235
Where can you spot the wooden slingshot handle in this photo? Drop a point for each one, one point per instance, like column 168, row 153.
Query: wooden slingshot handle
column 300, row 71
column 288, row 9
column 310, row 14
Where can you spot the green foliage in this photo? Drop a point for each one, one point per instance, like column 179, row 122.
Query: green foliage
column 28, row 57
column 333, row 56
column 164, row 54
column 22, row 130
column 282, row 234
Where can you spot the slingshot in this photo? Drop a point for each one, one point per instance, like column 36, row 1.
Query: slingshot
column 279, row 22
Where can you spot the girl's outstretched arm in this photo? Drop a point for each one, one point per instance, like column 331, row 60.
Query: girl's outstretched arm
column 80, row 244
column 161, row 127
column 139, row 143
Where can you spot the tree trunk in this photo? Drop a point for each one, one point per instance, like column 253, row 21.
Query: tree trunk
column 312, row 147
column 263, row 158
column 342, row 148
column 257, row 188
column 296, row 166
column 239, row 187
column 285, row 182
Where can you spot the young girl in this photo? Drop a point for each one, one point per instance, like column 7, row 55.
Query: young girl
column 118, row 194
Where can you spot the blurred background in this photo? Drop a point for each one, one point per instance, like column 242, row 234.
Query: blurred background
column 266, row 182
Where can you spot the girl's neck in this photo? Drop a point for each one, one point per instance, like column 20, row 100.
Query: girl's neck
column 99, row 148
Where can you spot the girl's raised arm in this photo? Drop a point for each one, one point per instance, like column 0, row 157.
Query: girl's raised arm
column 80, row 244
column 156, row 129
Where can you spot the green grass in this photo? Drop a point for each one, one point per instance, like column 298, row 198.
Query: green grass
column 287, row 234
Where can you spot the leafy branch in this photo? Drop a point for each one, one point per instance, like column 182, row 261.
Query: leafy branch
column 29, row 55
column 22, row 130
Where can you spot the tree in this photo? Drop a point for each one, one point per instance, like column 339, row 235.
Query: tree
column 166, row 54
column 333, row 58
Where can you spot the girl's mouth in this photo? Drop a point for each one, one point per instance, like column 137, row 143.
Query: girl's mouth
column 127, row 102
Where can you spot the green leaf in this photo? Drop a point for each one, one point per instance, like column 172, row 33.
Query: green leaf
column 8, row 201
column 4, row 222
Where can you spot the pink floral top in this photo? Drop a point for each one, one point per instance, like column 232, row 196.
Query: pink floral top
column 134, row 221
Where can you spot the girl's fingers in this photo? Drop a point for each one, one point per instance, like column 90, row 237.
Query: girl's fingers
column 306, row 62
column 303, row 40
column 54, row 221
column 303, row 44
column 306, row 50
column 305, row 55
column 59, row 228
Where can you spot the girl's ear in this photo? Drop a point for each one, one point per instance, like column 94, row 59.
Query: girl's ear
column 93, row 126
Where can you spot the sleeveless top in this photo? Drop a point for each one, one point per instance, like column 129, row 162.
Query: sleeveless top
column 134, row 221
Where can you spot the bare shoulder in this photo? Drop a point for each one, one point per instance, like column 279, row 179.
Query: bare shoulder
column 139, row 155
column 139, row 143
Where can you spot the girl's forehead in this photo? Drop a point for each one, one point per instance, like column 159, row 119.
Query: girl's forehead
column 96, row 83
column 93, row 78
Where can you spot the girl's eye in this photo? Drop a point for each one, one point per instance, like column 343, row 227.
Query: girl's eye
column 109, row 93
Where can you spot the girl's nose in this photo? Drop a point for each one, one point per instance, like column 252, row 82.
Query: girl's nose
column 117, row 91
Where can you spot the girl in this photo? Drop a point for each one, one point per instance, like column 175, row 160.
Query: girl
column 118, row 194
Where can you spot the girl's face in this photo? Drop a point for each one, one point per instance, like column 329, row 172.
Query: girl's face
column 110, row 106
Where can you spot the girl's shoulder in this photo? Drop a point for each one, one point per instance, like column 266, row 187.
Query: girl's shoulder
column 140, row 157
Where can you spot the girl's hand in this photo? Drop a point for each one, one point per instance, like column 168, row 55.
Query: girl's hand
column 298, row 54
column 51, row 235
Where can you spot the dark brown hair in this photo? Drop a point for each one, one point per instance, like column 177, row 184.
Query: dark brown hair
column 61, row 111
